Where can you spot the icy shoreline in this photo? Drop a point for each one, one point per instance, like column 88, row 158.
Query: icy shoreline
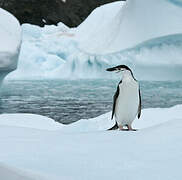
column 84, row 150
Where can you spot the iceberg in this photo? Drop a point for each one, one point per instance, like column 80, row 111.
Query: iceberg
column 131, row 23
column 10, row 35
column 146, row 35
column 85, row 150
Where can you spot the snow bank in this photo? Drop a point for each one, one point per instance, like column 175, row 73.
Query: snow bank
column 101, row 123
column 105, row 154
column 84, row 150
column 10, row 35
column 150, row 118
column 29, row 121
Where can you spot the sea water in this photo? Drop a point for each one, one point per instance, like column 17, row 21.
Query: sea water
column 67, row 101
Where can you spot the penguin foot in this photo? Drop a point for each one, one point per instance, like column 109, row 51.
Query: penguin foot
column 130, row 128
column 121, row 128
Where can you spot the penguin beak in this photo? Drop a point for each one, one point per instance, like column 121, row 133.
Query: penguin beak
column 115, row 69
column 112, row 69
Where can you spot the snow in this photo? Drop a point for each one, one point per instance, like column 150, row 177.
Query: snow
column 12, row 173
column 37, row 147
column 10, row 32
column 10, row 35
column 29, row 121
column 131, row 23
column 85, row 150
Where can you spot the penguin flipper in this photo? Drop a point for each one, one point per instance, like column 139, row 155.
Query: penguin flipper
column 114, row 101
column 140, row 105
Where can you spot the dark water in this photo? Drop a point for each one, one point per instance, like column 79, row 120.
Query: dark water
column 69, row 101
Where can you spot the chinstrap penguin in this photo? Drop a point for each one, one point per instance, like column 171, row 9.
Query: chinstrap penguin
column 126, row 100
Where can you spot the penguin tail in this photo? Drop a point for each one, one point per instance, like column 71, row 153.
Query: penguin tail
column 114, row 127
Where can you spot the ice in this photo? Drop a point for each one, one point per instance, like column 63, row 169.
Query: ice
column 156, row 59
column 10, row 32
column 131, row 23
column 85, row 150
column 55, row 52
column 47, row 53
column 10, row 35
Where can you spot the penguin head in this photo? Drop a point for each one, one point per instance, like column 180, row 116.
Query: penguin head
column 120, row 68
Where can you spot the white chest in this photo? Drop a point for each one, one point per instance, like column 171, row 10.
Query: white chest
column 127, row 102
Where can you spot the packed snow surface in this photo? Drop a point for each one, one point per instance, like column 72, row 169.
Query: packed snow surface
column 10, row 36
column 143, row 34
column 85, row 150
column 29, row 120
column 12, row 173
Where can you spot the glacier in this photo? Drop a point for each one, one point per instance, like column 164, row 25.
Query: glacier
column 143, row 34
column 10, row 35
